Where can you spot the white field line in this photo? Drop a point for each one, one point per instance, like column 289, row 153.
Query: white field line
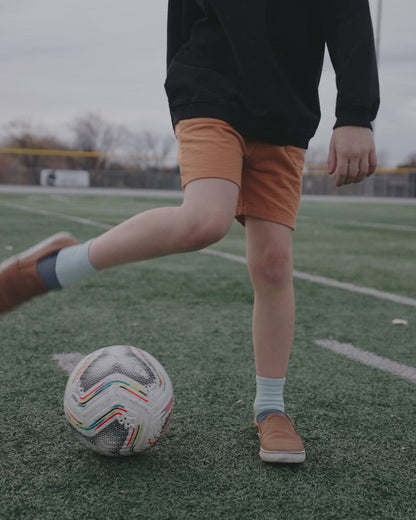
column 369, row 359
column 47, row 213
column 129, row 192
column 329, row 282
column 370, row 225
column 339, row 199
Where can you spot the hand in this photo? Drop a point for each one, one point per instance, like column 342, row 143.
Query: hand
column 352, row 154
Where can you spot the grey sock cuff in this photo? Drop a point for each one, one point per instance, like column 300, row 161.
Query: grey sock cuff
column 73, row 264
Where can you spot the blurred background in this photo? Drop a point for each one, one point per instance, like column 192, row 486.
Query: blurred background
column 82, row 90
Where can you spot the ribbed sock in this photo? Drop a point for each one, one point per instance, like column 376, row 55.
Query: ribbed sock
column 269, row 397
column 66, row 267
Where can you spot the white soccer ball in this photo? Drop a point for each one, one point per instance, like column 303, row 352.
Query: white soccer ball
column 118, row 400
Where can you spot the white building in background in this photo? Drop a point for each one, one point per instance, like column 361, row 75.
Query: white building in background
column 65, row 178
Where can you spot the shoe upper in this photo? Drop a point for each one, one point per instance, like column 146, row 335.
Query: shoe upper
column 19, row 279
column 278, row 433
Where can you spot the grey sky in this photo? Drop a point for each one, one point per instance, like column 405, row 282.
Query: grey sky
column 59, row 60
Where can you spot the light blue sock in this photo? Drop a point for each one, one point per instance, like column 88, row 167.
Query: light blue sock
column 73, row 264
column 269, row 396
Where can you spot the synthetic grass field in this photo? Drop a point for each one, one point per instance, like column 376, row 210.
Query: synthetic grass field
column 193, row 313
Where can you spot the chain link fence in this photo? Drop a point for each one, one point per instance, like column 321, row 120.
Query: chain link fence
column 392, row 183
column 168, row 179
column 384, row 183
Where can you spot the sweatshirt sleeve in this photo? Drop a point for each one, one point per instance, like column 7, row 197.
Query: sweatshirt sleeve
column 349, row 36
column 181, row 17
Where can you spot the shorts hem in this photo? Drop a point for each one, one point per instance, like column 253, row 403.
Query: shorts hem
column 278, row 218
column 185, row 182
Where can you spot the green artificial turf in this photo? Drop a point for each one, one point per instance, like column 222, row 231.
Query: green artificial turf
column 193, row 312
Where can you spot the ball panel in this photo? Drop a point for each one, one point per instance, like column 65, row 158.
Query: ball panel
column 109, row 441
column 109, row 361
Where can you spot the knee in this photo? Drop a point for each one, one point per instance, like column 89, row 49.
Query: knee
column 203, row 231
column 271, row 268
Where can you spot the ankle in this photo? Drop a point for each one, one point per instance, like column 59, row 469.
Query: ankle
column 263, row 415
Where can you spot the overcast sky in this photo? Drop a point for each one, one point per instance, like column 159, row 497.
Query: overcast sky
column 61, row 59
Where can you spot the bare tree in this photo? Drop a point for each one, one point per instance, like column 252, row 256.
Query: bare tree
column 23, row 134
column 410, row 162
column 146, row 150
column 92, row 133
column 151, row 149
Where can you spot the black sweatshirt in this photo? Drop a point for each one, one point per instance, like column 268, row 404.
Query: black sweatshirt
column 257, row 64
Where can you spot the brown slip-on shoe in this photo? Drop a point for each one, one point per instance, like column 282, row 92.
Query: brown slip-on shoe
column 279, row 440
column 19, row 279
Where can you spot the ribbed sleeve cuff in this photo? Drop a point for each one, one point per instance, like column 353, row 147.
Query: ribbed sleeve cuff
column 353, row 116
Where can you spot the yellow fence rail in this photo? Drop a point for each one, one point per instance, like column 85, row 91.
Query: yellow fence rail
column 323, row 168
column 71, row 153
column 309, row 168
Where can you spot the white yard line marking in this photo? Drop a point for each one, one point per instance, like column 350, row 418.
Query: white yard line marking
column 227, row 256
column 67, row 362
column 47, row 213
column 377, row 225
column 357, row 223
column 329, row 282
column 369, row 359
column 339, row 199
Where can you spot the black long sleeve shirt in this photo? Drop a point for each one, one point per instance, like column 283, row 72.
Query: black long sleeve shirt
column 257, row 64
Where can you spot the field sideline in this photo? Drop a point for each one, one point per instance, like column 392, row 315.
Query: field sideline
column 193, row 313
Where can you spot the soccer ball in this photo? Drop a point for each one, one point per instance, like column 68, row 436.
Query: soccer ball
column 118, row 400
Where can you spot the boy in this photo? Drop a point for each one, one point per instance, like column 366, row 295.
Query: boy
column 242, row 84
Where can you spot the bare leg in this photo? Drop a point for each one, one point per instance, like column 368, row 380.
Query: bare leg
column 269, row 258
column 204, row 217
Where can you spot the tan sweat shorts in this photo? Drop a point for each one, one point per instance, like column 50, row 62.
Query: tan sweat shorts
column 269, row 176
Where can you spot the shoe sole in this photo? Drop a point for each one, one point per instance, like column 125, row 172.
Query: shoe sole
column 285, row 457
column 36, row 248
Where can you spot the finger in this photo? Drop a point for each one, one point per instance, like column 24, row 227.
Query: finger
column 332, row 158
column 353, row 170
column 362, row 170
column 372, row 163
column 341, row 171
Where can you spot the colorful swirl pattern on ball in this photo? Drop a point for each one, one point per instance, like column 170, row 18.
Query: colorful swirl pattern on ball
column 134, row 439
column 115, row 410
column 166, row 415
column 84, row 399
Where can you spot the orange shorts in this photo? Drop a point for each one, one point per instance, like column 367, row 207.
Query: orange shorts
column 269, row 176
